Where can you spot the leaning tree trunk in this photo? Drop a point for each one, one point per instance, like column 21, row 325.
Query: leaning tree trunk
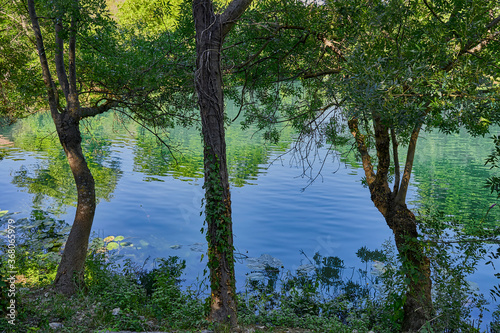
column 208, row 80
column 418, row 307
column 71, row 268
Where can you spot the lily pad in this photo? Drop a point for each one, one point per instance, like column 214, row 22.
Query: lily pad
column 109, row 239
column 112, row 246
column 119, row 238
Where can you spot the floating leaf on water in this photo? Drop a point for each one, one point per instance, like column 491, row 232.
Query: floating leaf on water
column 119, row 238
column 112, row 246
column 176, row 247
column 197, row 247
column 256, row 276
column 125, row 244
column 3, row 212
column 304, row 269
column 263, row 261
column 109, row 239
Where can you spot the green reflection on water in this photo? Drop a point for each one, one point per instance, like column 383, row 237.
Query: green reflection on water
column 450, row 175
column 50, row 180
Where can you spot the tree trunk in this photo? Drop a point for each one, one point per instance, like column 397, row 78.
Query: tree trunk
column 418, row 305
column 208, row 80
column 71, row 268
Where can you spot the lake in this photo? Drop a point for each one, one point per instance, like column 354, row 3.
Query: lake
column 154, row 201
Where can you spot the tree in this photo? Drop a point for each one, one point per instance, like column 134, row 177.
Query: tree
column 68, row 20
column 404, row 66
column 422, row 72
column 211, row 29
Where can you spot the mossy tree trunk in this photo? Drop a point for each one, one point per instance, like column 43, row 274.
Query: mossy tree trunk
column 211, row 28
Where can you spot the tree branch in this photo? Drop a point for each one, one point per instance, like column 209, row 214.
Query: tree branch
column 47, row 77
column 311, row 75
column 59, row 59
column 433, row 12
column 361, row 145
column 401, row 196
column 232, row 13
column 383, row 149
column 73, row 94
column 396, row 161
column 93, row 111
column 474, row 46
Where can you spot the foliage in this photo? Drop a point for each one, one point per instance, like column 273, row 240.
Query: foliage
column 218, row 223
column 20, row 92
column 322, row 295
column 182, row 308
column 151, row 17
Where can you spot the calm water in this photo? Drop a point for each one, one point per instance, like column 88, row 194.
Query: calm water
column 155, row 203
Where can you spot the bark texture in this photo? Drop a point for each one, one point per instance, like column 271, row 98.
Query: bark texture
column 418, row 305
column 70, row 271
column 211, row 29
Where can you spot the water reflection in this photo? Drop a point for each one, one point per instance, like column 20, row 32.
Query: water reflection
column 450, row 176
column 48, row 177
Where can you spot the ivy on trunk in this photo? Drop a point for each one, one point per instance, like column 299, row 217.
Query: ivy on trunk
column 211, row 28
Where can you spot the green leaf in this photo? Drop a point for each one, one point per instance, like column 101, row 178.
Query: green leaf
column 112, row 246
column 119, row 238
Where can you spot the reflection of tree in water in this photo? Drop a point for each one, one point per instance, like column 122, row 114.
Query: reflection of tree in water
column 39, row 238
column 50, row 180
column 246, row 153
column 4, row 142
column 454, row 185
